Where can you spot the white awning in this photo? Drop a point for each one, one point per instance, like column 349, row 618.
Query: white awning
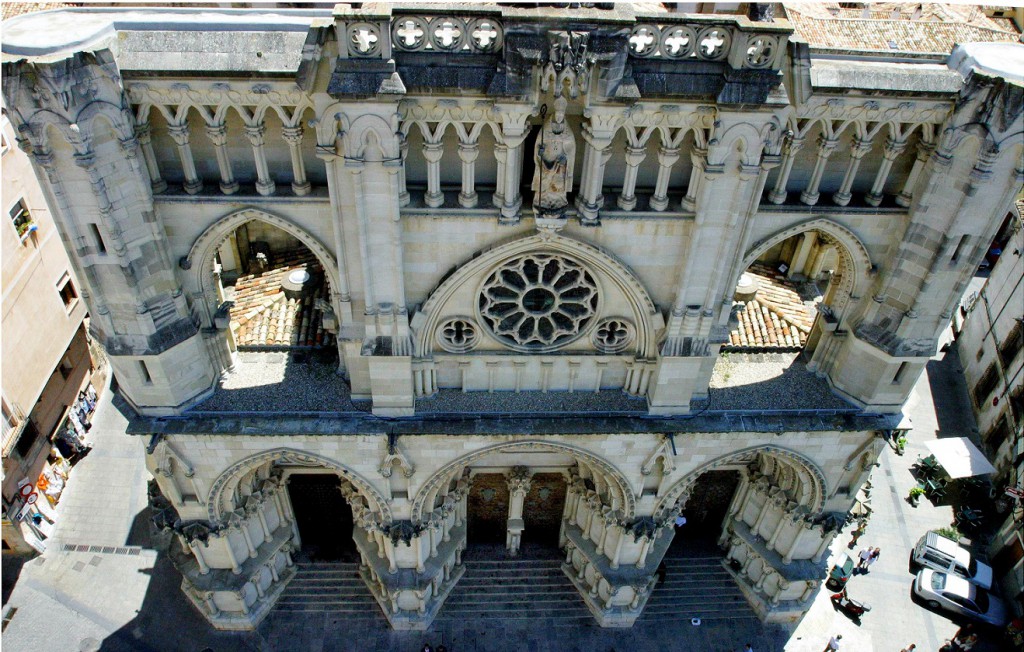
column 959, row 457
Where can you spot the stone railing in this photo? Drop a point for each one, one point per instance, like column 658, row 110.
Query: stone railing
column 743, row 44
column 362, row 35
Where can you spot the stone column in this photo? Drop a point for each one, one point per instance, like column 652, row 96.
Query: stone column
column 255, row 133
column 180, row 134
column 433, row 153
column 211, row 606
column 617, row 553
column 859, row 148
column 788, row 556
column 512, row 201
column 634, row 157
column 667, row 157
column 698, row 157
column 518, row 486
column 924, row 152
column 500, row 152
column 793, row 147
column 892, row 151
column 293, row 136
column 144, row 133
column 825, row 148
column 236, row 565
column 592, row 182
column 822, row 547
column 195, row 547
column 468, row 152
column 218, row 135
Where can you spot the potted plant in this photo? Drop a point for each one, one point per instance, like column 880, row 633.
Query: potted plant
column 915, row 496
column 901, row 444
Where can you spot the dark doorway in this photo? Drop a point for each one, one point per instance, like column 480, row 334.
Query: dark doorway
column 708, row 504
column 487, row 509
column 324, row 518
column 542, row 509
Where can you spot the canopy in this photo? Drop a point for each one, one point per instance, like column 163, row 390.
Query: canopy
column 959, row 457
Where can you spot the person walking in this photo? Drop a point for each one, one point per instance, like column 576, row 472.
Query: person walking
column 909, row 648
column 872, row 558
column 833, row 643
column 864, row 556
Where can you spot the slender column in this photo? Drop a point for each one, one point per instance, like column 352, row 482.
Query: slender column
column 667, row 157
column 293, row 136
column 244, row 527
column 634, row 157
column 512, row 201
column 264, row 184
column 892, row 151
column 500, row 153
column 825, row 148
column 791, row 550
column 433, row 152
column 144, row 133
column 698, row 157
column 778, row 194
column 822, row 547
column 924, row 152
column 644, row 549
column 617, row 553
column 263, row 524
column 593, row 176
column 859, row 148
column 195, row 547
column 211, row 606
column 236, row 565
column 468, row 152
column 778, row 531
column 403, row 191
column 218, row 135
column 180, row 134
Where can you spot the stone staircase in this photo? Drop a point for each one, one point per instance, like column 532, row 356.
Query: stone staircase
column 696, row 587
column 513, row 589
column 333, row 587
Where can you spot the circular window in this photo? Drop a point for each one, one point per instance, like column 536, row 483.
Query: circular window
column 458, row 335
column 613, row 335
column 538, row 302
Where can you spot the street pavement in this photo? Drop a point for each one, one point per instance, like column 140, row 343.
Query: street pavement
column 101, row 586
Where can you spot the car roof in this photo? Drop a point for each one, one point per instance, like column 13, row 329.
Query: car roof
column 958, row 585
column 948, row 547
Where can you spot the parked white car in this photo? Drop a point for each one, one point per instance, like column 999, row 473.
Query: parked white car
column 951, row 593
column 939, row 553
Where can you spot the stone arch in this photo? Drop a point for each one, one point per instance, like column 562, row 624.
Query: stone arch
column 856, row 261
column 743, row 136
column 199, row 261
column 231, row 475
column 813, row 483
column 646, row 315
column 611, row 475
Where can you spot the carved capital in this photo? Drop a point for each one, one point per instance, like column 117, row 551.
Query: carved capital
column 256, row 133
column 519, row 480
column 218, row 134
column 292, row 135
column 179, row 133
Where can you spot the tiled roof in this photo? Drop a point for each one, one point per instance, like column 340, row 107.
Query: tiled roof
column 12, row 9
column 938, row 28
column 777, row 318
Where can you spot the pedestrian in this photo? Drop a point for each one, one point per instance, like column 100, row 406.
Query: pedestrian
column 680, row 520
column 427, row 648
column 864, row 556
column 748, row 648
column 872, row 558
column 909, row 648
column 833, row 643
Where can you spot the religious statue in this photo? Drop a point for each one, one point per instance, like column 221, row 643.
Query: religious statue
column 555, row 156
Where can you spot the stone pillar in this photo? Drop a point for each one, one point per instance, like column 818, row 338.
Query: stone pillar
column 924, row 152
column 211, row 606
column 518, row 486
column 433, row 152
column 793, row 147
column 825, row 148
column 787, row 558
column 804, row 247
column 592, row 183
column 263, row 524
column 512, row 201
column 264, row 184
column 822, row 547
column 218, row 136
column 403, row 192
column 617, row 553
column 144, row 133
column 857, row 151
column 698, row 157
column 293, row 136
column 180, row 134
column 667, row 157
column 892, row 151
column 236, row 565
column 500, row 153
column 634, row 157
column 468, row 152
column 196, row 548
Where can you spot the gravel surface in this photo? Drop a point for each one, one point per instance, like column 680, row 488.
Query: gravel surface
column 769, row 381
column 525, row 403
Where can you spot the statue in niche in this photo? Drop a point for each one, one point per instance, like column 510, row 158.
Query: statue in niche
column 555, row 156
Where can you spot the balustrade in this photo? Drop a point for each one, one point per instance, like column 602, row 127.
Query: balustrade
column 667, row 157
column 293, row 136
column 825, row 148
column 857, row 151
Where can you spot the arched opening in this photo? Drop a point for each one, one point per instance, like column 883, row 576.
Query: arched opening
column 323, row 517
column 275, row 289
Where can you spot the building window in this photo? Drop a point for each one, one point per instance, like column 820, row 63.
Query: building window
column 100, row 247
column 146, row 378
column 999, row 433
column 65, row 367
column 1011, row 346
column 22, row 219
column 67, row 292
column 985, row 385
column 27, row 440
column 898, row 378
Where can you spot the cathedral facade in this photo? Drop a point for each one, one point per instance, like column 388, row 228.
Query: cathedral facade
column 398, row 283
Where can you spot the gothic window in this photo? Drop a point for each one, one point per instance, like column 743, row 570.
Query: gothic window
column 458, row 335
column 613, row 335
column 538, row 302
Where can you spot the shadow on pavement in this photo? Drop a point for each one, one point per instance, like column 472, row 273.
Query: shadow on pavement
column 11, row 572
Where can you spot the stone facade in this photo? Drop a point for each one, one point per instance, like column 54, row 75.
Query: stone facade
column 397, row 145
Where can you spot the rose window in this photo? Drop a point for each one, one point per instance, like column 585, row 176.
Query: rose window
column 538, row 301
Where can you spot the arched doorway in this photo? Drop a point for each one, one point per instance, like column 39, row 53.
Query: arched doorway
column 323, row 517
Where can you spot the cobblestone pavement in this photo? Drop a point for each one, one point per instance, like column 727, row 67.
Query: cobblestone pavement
column 116, row 596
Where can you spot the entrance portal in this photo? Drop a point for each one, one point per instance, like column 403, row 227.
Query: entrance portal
column 542, row 509
column 487, row 509
column 709, row 503
column 324, row 518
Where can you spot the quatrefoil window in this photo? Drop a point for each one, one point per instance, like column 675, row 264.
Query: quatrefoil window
column 364, row 39
column 613, row 335
column 458, row 335
column 538, row 302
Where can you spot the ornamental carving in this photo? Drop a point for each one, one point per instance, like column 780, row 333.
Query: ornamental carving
column 538, row 302
column 458, row 335
column 613, row 335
